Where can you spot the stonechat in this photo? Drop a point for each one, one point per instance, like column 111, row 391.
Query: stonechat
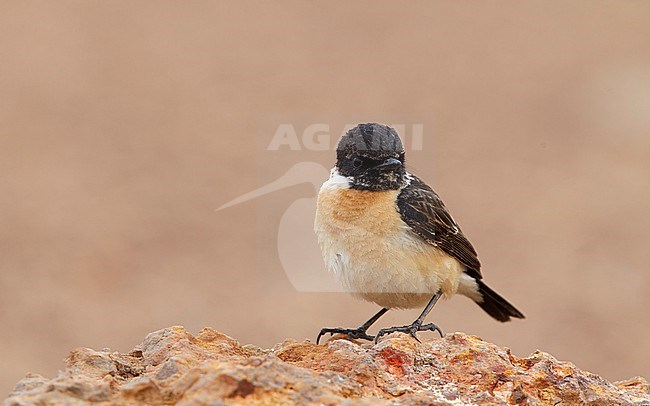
column 389, row 239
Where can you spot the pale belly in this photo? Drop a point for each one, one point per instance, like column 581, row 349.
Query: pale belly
column 373, row 253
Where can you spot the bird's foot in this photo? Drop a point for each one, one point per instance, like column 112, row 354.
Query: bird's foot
column 352, row 333
column 411, row 329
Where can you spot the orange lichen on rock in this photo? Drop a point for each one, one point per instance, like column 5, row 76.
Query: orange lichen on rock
column 173, row 367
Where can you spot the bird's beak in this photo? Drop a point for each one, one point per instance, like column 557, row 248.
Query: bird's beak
column 389, row 163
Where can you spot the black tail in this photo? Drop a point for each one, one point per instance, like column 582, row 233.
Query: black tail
column 495, row 305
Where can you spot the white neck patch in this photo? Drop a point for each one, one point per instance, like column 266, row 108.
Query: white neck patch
column 336, row 181
column 409, row 179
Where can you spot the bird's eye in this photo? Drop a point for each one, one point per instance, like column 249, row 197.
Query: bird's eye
column 357, row 162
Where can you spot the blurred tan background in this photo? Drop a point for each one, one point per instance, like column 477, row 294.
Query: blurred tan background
column 123, row 125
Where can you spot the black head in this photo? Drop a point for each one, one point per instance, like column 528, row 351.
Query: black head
column 372, row 156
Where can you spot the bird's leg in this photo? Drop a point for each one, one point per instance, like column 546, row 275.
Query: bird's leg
column 356, row 332
column 416, row 326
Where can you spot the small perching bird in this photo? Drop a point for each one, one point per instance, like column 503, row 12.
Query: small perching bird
column 389, row 239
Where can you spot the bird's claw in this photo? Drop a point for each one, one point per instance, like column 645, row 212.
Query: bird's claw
column 411, row 329
column 352, row 333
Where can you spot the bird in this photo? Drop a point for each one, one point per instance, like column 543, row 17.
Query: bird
column 389, row 239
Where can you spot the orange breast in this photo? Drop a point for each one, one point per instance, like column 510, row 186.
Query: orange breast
column 375, row 212
column 373, row 253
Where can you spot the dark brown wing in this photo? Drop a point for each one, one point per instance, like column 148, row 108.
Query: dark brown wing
column 423, row 210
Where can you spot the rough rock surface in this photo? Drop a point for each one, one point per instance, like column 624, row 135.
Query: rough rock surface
column 173, row 367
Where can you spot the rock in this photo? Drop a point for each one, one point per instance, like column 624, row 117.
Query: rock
column 173, row 367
